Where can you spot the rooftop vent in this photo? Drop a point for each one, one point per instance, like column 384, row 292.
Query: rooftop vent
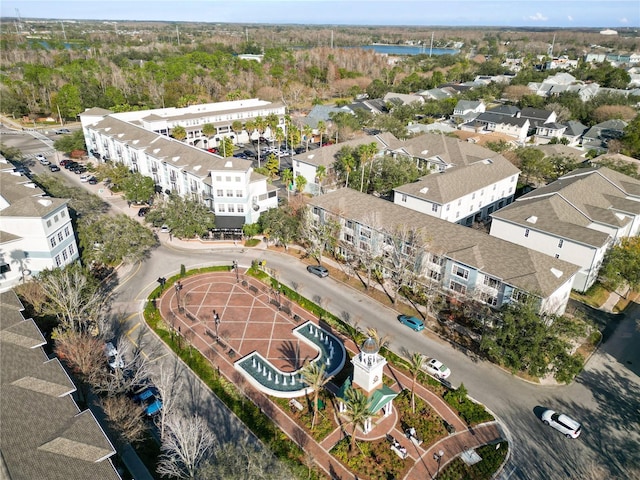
column 532, row 219
column 424, row 189
column 556, row 273
column 228, row 164
column 45, row 202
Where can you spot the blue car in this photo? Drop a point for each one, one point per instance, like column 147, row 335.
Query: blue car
column 411, row 322
column 149, row 399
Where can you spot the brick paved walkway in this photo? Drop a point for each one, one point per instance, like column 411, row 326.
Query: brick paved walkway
column 250, row 322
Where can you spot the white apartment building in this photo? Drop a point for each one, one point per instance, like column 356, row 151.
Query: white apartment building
column 35, row 230
column 227, row 186
column 460, row 260
column 577, row 218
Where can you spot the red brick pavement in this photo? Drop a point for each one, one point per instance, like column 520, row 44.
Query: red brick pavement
column 250, row 322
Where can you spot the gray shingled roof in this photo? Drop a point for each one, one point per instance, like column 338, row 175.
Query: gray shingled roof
column 191, row 159
column 43, row 433
column 489, row 117
column 453, row 183
column 33, row 207
column 15, row 186
column 515, row 265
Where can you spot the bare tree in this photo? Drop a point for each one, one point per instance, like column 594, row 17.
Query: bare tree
column 169, row 383
column 132, row 368
column 319, row 236
column 125, row 418
column 186, row 446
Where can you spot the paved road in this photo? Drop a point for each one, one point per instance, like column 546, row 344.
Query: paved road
column 605, row 397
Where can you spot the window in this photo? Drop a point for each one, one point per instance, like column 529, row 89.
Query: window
column 232, row 208
column 220, row 193
column 71, row 250
column 473, row 196
column 365, row 232
column 48, row 223
column 229, row 193
column 460, row 272
column 560, row 243
column 349, row 224
column 60, row 236
column 403, row 198
column 491, row 282
column 437, row 260
column 56, row 219
column 237, row 179
column 4, row 268
column 221, row 207
column 435, row 275
column 448, row 206
column 348, row 238
column 63, row 214
column 218, row 178
column 434, row 207
column 66, row 231
column 238, row 193
column 526, row 232
column 458, row 287
column 240, row 208
column 58, row 262
column 227, row 179
column 64, row 255
column 52, row 241
column 471, row 208
column 489, row 299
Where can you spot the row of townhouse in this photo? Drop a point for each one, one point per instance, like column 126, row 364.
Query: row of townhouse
column 463, row 182
column 565, row 82
column 36, row 231
column 577, row 218
column 44, row 433
column 461, row 261
column 227, row 186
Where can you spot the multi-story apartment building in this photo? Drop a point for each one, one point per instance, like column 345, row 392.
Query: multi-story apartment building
column 577, row 218
column 459, row 260
column 227, row 186
column 36, row 232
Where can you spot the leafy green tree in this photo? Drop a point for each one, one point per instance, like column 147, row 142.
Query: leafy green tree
column 113, row 239
column 68, row 101
column 187, row 218
column 287, row 178
column 392, row 172
column 236, row 127
column 85, row 204
column 535, row 168
column 622, row 264
column 346, row 162
column 69, row 143
column 179, row 133
column 272, row 165
column 631, row 138
column 11, row 153
column 226, row 147
column 280, row 224
column 138, row 188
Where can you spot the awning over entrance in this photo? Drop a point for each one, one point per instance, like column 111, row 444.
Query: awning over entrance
column 228, row 223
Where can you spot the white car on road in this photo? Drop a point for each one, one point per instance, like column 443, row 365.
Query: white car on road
column 563, row 423
column 437, row 368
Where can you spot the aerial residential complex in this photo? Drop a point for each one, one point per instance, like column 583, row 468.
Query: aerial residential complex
column 228, row 186
column 36, row 231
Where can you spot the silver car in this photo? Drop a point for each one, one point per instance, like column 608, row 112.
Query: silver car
column 563, row 423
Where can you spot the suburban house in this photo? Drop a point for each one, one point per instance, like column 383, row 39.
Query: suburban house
column 464, row 194
column 437, row 93
column 574, row 132
column 402, row 99
column 227, row 186
column 467, row 110
column 44, row 433
column 36, row 232
column 515, row 127
column 306, row 164
column 617, row 158
column 598, row 136
column 460, row 261
column 576, row 218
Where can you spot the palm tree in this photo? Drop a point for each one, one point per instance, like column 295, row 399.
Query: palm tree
column 348, row 162
column 366, row 153
column 272, row 122
column 261, row 126
column 287, row 180
column 236, row 126
column 179, row 133
column 358, row 410
column 415, row 365
column 307, row 131
column 208, row 130
column 321, row 174
column 315, row 376
column 322, row 127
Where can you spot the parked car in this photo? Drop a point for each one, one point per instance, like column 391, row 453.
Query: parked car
column 240, row 155
column 61, row 131
column 250, row 153
column 64, row 162
column 318, row 270
column 93, row 180
column 40, row 157
column 212, row 150
column 70, row 164
column 85, row 177
column 114, row 360
column 54, row 168
column 79, row 169
column 143, row 211
column 563, row 423
column 165, row 229
column 411, row 322
column 149, row 398
column 437, row 369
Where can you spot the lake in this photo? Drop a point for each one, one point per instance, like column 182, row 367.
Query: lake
column 409, row 50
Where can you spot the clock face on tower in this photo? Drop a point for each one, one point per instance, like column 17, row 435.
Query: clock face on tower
column 375, row 379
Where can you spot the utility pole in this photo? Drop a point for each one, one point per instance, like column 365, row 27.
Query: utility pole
column 64, row 34
column 431, row 47
column 178, row 34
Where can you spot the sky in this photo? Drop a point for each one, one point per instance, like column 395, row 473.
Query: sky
column 501, row 13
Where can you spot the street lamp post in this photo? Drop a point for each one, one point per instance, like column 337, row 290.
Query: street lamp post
column 235, row 267
column 216, row 319
column 178, row 287
column 438, row 458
